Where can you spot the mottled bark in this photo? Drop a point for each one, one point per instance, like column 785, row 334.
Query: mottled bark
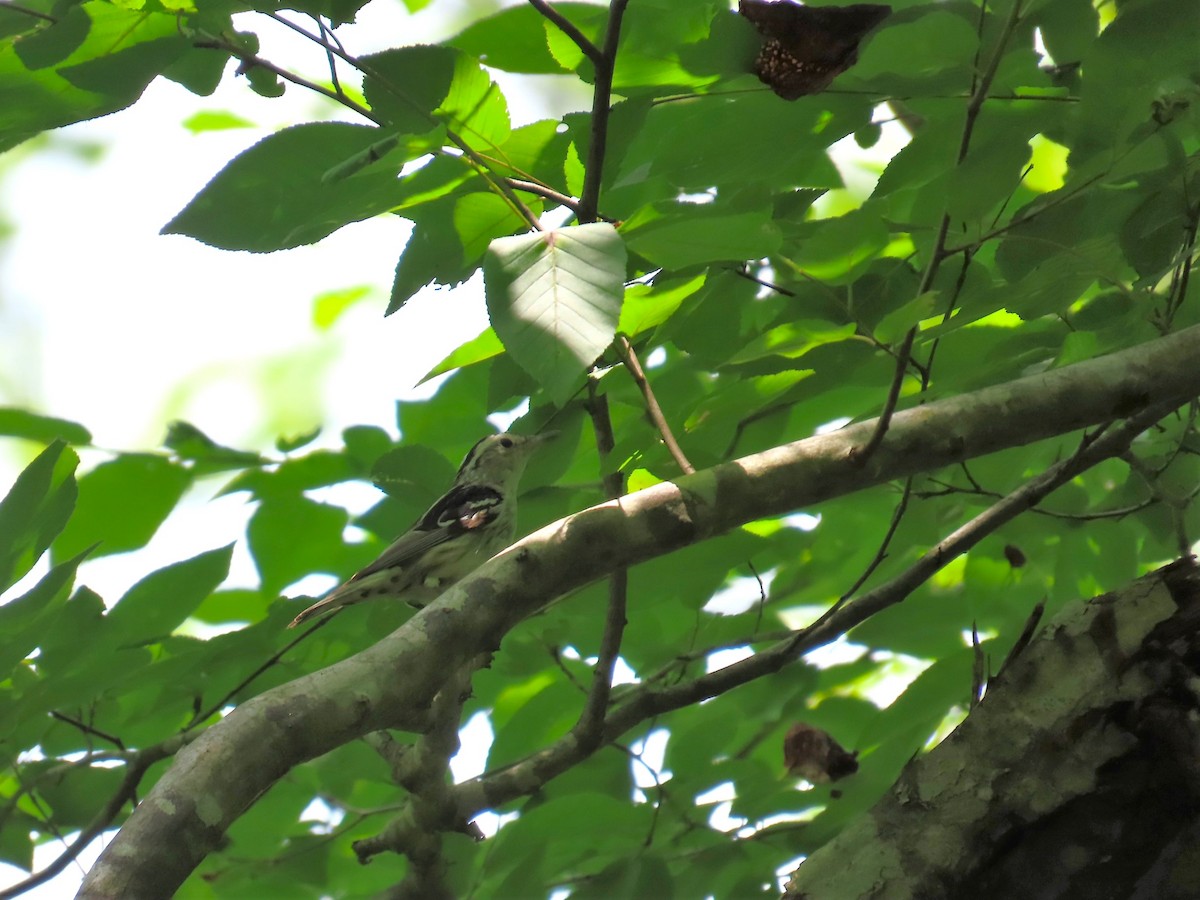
column 1077, row 776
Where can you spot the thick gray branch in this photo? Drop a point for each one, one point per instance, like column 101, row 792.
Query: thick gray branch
column 392, row 683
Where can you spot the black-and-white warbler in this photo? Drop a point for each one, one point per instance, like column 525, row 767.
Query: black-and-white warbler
column 469, row 524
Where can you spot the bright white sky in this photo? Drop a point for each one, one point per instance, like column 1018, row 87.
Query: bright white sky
column 104, row 321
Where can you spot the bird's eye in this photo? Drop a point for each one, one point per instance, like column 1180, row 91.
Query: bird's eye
column 506, row 442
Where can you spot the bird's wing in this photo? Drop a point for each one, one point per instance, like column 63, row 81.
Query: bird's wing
column 462, row 508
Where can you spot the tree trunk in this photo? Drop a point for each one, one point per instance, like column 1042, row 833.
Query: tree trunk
column 1078, row 776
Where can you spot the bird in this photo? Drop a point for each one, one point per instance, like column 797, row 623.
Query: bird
column 474, row 520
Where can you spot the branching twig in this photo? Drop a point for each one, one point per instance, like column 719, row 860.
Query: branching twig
column 528, row 775
column 481, row 165
column 974, row 106
column 578, row 38
column 532, row 187
column 273, row 660
column 251, row 59
column 881, row 553
column 87, row 729
column 135, row 770
column 417, row 830
column 590, row 726
column 893, row 397
column 630, row 359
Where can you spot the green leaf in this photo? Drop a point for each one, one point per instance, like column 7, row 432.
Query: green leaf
column 35, row 510
column 413, row 473
column 406, row 85
column 793, row 340
column 681, row 235
column 449, row 240
column 25, row 619
column 123, row 51
column 366, row 443
column 648, row 306
column 275, row 195
column 36, row 427
column 121, row 504
column 478, row 349
column 319, row 468
column 839, row 249
column 160, row 602
column 416, row 89
column 896, row 324
column 215, row 120
column 292, row 443
column 329, row 306
column 723, row 133
column 554, row 298
column 645, row 875
column 514, row 39
column 291, row 537
column 190, row 443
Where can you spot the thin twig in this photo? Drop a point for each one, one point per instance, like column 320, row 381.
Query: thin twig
column 532, row 187
column 134, row 772
column 481, row 165
column 590, row 727
column 87, row 729
column 974, row 106
column 273, row 660
column 578, row 38
column 893, row 397
column 1026, row 635
column 741, row 272
column 589, row 200
column 251, row 59
column 526, row 776
column 329, row 57
column 630, row 359
column 26, row 11
column 881, row 553
column 978, row 667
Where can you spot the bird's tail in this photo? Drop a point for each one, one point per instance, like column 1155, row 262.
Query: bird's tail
column 336, row 600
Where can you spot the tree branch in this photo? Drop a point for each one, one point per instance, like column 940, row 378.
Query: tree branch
column 251, row 59
column 219, row 775
column 135, row 770
column 417, row 830
column 527, row 775
column 633, row 364
column 974, row 106
column 590, row 727
column 589, row 200
column 578, row 38
column 1033, row 759
column 500, row 183
column 540, row 190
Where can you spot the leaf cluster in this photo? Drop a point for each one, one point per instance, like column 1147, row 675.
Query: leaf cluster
column 718, row 279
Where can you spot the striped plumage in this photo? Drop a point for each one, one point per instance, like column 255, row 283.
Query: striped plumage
column 469, row 524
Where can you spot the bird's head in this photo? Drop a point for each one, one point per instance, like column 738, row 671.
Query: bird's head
column 500, row 458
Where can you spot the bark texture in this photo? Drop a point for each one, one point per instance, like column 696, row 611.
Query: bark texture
column 1077, row 776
